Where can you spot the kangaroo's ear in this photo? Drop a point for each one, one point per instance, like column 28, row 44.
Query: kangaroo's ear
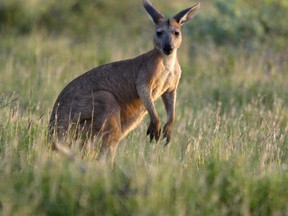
column 187, row 14
column 153, row 12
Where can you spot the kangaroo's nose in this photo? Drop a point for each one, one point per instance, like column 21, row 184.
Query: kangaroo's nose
column 167, row 49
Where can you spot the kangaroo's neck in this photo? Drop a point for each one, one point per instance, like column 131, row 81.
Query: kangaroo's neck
column 168, row 61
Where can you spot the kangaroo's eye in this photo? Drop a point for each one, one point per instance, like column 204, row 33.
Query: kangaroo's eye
column 176, row 33
column 159, row 33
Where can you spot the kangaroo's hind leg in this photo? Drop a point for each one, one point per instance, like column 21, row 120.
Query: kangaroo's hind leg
column 93, row 116
column 106, row 123
column 110, row 133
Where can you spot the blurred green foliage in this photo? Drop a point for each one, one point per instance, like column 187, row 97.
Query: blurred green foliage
column 73, row 17
column 246, row 23
column 251, row 24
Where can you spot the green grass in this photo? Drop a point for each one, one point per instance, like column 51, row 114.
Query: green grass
column 228, row 156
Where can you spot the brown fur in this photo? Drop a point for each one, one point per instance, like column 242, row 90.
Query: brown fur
column 112, row 99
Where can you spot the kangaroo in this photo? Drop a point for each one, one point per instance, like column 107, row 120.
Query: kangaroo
column 111, row 100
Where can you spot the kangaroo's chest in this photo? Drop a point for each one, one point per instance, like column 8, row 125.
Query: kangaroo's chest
column 166, row 81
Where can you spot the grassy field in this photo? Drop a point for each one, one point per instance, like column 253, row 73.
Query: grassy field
column 228, row 154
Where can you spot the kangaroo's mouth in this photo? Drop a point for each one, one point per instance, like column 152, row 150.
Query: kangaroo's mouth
column 167, row 51
column 167, row 48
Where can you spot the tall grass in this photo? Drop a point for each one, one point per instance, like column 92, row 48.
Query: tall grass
column 228, row 156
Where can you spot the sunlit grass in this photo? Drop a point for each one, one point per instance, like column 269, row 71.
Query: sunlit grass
column 228, row 156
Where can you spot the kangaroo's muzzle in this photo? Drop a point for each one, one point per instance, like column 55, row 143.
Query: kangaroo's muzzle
column 167, row 49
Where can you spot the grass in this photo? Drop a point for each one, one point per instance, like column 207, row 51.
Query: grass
column 228, row 156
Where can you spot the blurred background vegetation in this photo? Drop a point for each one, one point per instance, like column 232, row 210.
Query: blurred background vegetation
column 252, row 24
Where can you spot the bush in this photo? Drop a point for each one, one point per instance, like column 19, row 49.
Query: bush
column 237, row 22
column 73, row 18
column 248, row 23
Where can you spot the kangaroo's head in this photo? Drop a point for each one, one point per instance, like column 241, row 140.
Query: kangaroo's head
column 168, row 37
